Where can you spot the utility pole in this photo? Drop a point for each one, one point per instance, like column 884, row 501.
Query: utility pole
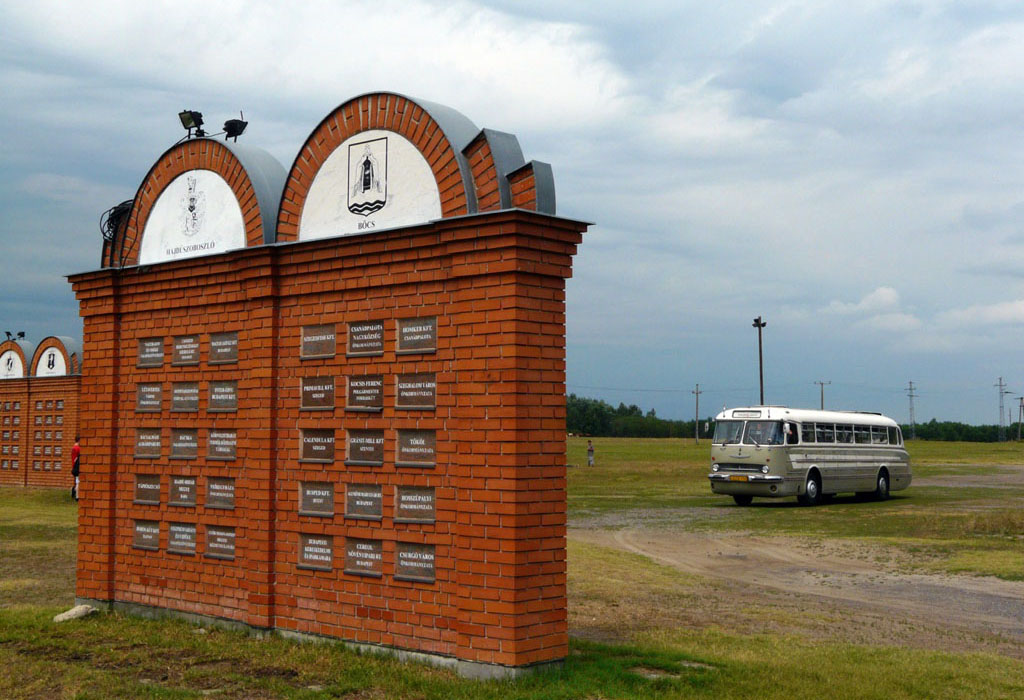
column 696, row 415
column 822, row 385
column 1003, row 391
column 911, row 394
column 1020, row 417
column 759, row 324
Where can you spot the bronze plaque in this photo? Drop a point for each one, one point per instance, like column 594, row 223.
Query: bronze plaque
column 363, row 557
column 147, row 489
column 147, row 535
column 147, row 443
column 220, row 542
column 222, row 444
column 416, row 391
column 148, row 398
column 185, row 396
column 317, row 394
column 416, row 448
column 317, row 445
column 183, row 491
column 316, row 552
column 151, row 352
column 223, row 397
column 366, row 338
column 220, row 492
column 318, row 341
column 417, row 335
column 184, row 443
column 364, row 501
column 185, row 350
column 365, row 393
column 316, row 498
column 223, row 348
column 414, row 562
column 181, row 538
column 415, row 504
column 365, row 447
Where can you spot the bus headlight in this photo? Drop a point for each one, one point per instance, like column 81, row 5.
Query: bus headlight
column 714, row 467
column 764, row 469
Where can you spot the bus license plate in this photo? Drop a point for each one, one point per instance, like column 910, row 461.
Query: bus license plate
column 737, row 477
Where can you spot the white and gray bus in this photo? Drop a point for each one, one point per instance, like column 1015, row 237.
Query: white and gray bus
column 773, row 452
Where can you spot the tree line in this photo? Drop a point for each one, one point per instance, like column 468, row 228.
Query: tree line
column 600, row 419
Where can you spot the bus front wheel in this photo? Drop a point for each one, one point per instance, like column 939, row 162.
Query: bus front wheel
column 742, row 500
column 812, row 491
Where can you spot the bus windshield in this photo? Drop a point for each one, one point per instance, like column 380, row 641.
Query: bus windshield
column 763, row 432
column 727, row 432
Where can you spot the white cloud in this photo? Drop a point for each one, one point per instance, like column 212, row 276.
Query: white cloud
column 880, row 299
column 999, row 313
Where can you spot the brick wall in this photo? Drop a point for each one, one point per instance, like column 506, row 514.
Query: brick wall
column 495, row 285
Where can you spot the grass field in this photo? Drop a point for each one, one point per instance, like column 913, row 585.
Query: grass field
column 656, row 638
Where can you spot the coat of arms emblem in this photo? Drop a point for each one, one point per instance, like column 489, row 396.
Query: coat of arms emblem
column 193, row 208
column 367, row 176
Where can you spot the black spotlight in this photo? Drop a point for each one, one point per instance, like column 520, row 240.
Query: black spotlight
column 192, row 120
column 9, row 336
column 21, row 334
column 233, row 128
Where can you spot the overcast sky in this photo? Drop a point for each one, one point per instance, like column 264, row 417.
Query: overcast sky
column 851, row 172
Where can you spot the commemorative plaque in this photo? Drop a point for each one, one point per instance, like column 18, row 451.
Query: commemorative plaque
column 220, row 492
column 316, row 552
column 415, row 504
column 365, row 338
column 416, row 448
column 316, row 498
column 148, row 398
column 183, row 491
column 223, row 348
column 317, row 394
column 223, row 397
column 151, row 352
column 182, row 538
column 147, row 489
column 147, row 443
column 318, row 341
column 416, row 391
column 416, row 335
column 185, row 397
column 365, row 447
column 414, row 562
column 220, row 542
column 365, row 393
column 364, row 501
column 363, row 557
column 184, row 443
column 185, row 350
column 147, row 535
column 317, row 445
column 222, row 444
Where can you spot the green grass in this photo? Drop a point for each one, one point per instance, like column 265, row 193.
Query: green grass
column 670, row 651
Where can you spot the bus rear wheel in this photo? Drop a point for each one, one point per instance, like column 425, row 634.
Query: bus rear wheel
column 881, row 492
column 742, row 500
column 812, row 491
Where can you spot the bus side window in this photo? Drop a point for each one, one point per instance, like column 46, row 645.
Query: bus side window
column 844, row 433
column 879, row 436
column 792, row 437
column 825, row 432
column 895, row 438
column 807, row 432
column 862, row 434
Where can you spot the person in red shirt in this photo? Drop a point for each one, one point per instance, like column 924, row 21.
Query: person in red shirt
column 76, row 453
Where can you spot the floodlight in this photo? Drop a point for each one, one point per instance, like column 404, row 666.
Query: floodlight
column 233, row 128
column 9, row 336
column 192, row 120
column 21, row 334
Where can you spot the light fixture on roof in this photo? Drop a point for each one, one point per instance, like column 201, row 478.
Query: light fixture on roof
column 9, row 336
column 192, row 120
column 233, row 128
column 21, row 334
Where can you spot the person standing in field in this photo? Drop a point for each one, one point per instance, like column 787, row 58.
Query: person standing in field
column 76, row 453
column 590, row 453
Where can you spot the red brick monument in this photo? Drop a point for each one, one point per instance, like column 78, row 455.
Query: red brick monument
column 331, row 401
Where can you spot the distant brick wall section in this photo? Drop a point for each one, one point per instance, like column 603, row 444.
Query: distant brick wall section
column 39, row 418
column 496, row 285
column 195, row 154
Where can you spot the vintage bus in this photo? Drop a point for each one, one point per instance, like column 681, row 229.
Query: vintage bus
column 774, row 451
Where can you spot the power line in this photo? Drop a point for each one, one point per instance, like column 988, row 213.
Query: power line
column 696, row 415
column 911, row 394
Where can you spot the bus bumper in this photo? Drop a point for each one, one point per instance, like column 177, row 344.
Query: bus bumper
column 763, row 485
